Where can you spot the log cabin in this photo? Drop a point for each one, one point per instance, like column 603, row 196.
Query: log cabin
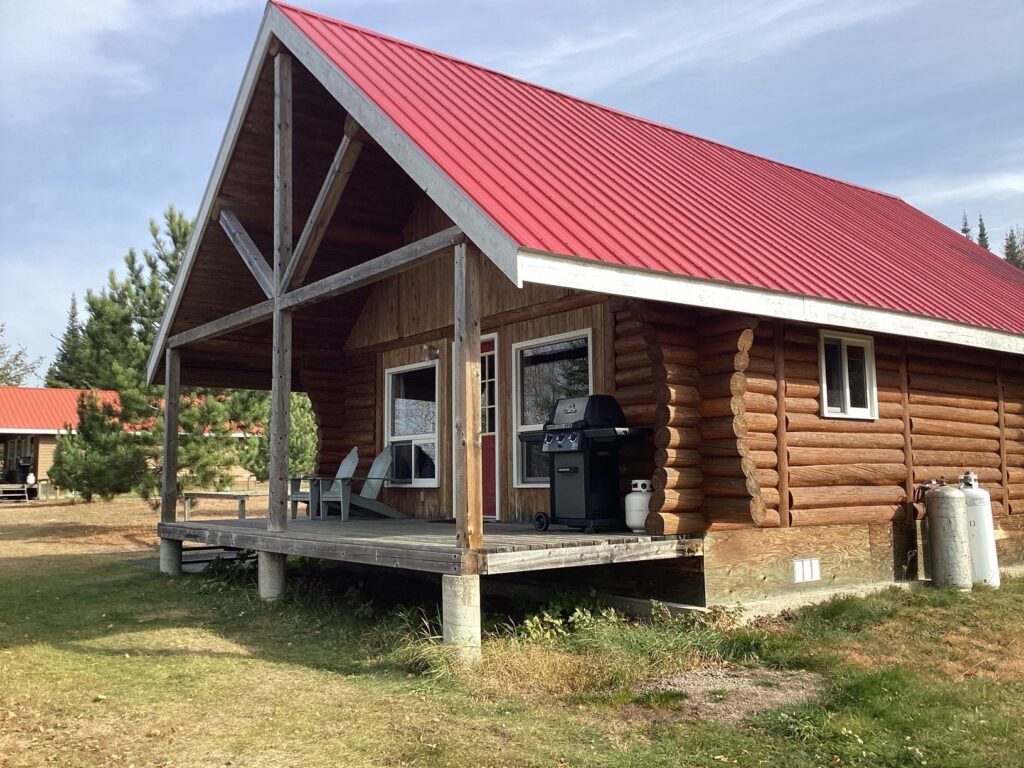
column 30, row 420
column 390, row 229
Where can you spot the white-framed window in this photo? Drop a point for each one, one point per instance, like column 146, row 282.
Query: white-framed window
column 544, row 371
column 846, row 363
column 410, row 396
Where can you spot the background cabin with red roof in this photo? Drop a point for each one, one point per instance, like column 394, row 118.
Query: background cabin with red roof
column 30, row 420
column 388, row 227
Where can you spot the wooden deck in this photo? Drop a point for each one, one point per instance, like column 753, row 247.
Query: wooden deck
column 421, row 545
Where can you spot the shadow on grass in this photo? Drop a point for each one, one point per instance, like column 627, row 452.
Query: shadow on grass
column 61, row 531
column 331, row 619
column 351, row 620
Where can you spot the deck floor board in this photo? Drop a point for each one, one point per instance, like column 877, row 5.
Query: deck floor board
column 430, row 546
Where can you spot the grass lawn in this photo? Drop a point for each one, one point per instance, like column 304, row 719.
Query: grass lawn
column 106, row 663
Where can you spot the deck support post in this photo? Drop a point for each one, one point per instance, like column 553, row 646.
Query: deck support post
column 170, row 550
column 460, row 612
column 281, row 384
column 270, row 576
column 461, row 594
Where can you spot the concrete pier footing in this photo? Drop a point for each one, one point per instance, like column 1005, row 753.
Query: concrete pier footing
column 170, row 557
column 271, row 575
column 460, row 601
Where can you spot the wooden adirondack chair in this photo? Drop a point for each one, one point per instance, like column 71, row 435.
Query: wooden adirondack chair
column 311, row 497
column 367, row 496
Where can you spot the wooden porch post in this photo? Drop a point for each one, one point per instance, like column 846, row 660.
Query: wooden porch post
column 271, row 565
column 461, row 594
column 170, row 549
column 466, row 458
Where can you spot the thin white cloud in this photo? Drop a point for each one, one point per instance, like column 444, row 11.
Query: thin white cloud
column 649, row 44
column 53, row 49
column 187, row 9
column 50, row 47
column 965, row 189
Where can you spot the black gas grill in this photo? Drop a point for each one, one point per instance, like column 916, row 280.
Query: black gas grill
column 581, row 438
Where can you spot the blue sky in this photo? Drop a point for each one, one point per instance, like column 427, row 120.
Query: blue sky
column 111, row 109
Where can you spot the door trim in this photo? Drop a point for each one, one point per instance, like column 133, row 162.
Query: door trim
column 493, row 337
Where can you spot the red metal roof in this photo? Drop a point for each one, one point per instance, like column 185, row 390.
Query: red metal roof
column 46, row 410
column 566, row 176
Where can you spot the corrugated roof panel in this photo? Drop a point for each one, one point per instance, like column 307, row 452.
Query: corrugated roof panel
column 25, row 408
column 563, row 175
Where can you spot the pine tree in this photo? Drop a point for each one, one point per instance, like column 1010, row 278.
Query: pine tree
column 965, row 227
column 982, row 233
column 111, row 353
column 15, row 364
column 62, row 372
column 255, row 451
column 99, row 459
column 1013, row 248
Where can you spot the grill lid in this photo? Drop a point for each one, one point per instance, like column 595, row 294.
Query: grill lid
column 585, row 413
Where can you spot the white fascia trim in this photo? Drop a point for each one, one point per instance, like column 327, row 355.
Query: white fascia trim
column 614, row 279
column 29, row 431
column 243, row 99
column 456, row 204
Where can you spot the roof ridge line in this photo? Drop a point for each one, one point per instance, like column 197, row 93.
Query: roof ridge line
column 44, row 388
column 580, row 99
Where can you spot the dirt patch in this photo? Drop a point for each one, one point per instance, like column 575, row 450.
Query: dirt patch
column 42, row 529
column 992, row 652
column 726, row 694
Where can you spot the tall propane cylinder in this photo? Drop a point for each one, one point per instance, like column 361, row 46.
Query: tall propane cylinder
column 947, row 533
column 981, row 533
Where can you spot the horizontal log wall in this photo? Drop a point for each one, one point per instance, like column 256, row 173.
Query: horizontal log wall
column 738, row 417
column 740, row 440
column 714, row 415
column 1010, row 408
column 344, row 406
column 842, row 471
column 954, row 414
column 655, row 382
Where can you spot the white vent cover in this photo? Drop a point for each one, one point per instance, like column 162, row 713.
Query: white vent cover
column 808, row 569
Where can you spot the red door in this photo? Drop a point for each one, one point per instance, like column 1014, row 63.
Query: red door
column 488, row 425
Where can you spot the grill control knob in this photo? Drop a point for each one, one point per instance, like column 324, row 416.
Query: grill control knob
column 548, row 439
column 574, row 437
column 561, row 438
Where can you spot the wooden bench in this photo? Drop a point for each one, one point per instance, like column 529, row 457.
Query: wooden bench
column 13, row 492
column 239, row 496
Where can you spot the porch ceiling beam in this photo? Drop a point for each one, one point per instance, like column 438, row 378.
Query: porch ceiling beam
column 247, row 249
column 373, row 270
column 323, row 209
column 351, row 279
column 243, row 318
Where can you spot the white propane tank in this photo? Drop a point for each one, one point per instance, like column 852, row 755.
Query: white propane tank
column 981, row 534
column 637, row 505
column 947, row 533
